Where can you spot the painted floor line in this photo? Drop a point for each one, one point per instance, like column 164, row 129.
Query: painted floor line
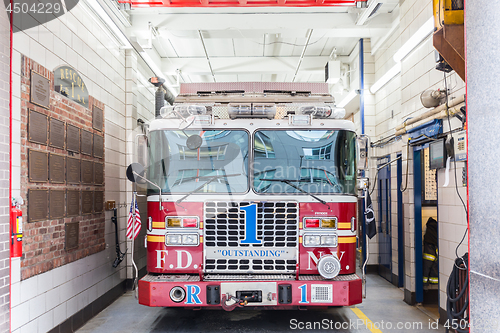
column 368, row 323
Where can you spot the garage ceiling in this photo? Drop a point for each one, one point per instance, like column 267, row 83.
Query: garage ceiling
column 276, row 44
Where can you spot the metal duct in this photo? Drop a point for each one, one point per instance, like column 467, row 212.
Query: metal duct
column 169, row 97
column 159, row 100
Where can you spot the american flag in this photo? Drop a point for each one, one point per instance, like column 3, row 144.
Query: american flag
column 133, row 228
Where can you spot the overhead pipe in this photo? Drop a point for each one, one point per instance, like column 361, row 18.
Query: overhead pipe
column 206, row 54
column 302, row 54
column 429, row 114
column 451, row 111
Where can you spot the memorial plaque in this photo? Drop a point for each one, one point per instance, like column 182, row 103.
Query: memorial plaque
column 56, row 133
column 87, row 172
column 57, row 204
column 38, row 208
column 98, row 146
column 37, row 127
column 87, row 202
column 71, row 235
column 38, row 166
column 97, row 118
column 57, row 169
column 40, row 90
column 98, row 201
column 73, row 170
column 86, row 142
column 72, row 138
column 98, row 173
column 69, row 83
column 73, row 204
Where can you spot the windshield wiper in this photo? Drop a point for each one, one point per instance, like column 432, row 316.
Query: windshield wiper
column 289, row 182
column 205, row 183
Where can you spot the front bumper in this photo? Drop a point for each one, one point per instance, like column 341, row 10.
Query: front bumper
column 285, row 293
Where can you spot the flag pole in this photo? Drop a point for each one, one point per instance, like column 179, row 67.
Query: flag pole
column 134, row 284
column 365, row 241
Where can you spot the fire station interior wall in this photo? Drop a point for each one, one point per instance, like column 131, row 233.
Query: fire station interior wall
column 369, row 115
column 4, row 169
column 118, row 79
column 398, row 100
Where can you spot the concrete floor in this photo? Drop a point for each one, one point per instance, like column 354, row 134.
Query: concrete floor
column 384, row 307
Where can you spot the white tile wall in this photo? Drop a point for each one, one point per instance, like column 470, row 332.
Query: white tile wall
column 46, row 300
column 401, row 97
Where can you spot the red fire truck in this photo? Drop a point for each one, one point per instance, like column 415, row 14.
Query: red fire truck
column 254, row 199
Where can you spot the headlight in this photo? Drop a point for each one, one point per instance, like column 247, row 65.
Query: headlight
column 329, row 240
column 182, row 239
column 173, row 239
column 312, row 240
column 190, row 239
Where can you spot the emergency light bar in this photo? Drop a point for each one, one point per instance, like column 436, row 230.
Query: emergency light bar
column 183, row 110
column 322, row 111
column 251, row 110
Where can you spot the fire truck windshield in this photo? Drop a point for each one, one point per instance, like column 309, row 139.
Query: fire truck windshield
column 316, row 161
column 221, row 158
column 299, row 162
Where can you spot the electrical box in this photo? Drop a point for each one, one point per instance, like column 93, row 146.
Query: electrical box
column 332, row 72
column 460, row 146
column 437, row 155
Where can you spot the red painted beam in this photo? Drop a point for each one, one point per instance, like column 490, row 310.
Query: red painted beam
column 239, row 3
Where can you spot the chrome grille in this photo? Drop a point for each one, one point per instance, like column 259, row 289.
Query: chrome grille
column 277, row 228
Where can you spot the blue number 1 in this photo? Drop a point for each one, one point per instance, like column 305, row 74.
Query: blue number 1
column 303, row 293
column 250, row 225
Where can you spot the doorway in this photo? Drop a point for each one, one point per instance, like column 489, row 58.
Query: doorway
column 426, row 228
column 384, row 218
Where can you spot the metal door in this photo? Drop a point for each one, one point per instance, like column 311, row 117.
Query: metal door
column 384, row 220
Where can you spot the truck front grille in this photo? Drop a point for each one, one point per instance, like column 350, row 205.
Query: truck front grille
column 277, row 229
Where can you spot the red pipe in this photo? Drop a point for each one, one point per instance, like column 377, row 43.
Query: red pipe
column 10, row 162
column 467, row 129
column 259, row 3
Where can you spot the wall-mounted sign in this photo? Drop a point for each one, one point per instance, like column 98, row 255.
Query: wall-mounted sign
column 40, row 90
column 68, row 82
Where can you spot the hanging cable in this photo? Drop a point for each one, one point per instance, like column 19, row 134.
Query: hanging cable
column 459, row 317
column 407, row 165
column 456, row 183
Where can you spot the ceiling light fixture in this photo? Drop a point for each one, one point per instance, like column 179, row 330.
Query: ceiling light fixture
column 395, row 70
column 104, row 16
column 349, row 97
column 414, row 40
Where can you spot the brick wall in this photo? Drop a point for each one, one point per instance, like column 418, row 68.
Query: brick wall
column 44, row 241
column 4, row 170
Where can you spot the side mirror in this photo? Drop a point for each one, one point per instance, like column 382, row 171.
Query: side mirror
column 135, row 171
column 194, row 142
column 363, row 148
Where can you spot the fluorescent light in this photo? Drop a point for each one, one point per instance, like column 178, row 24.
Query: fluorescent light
column 414, row 40
column 154, row 67
column 94, row 4
column 395, row 70
column 350, row 96
column 373, row 6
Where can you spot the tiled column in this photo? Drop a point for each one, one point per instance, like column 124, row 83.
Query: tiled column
column 4, row 169
column 483, row 121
